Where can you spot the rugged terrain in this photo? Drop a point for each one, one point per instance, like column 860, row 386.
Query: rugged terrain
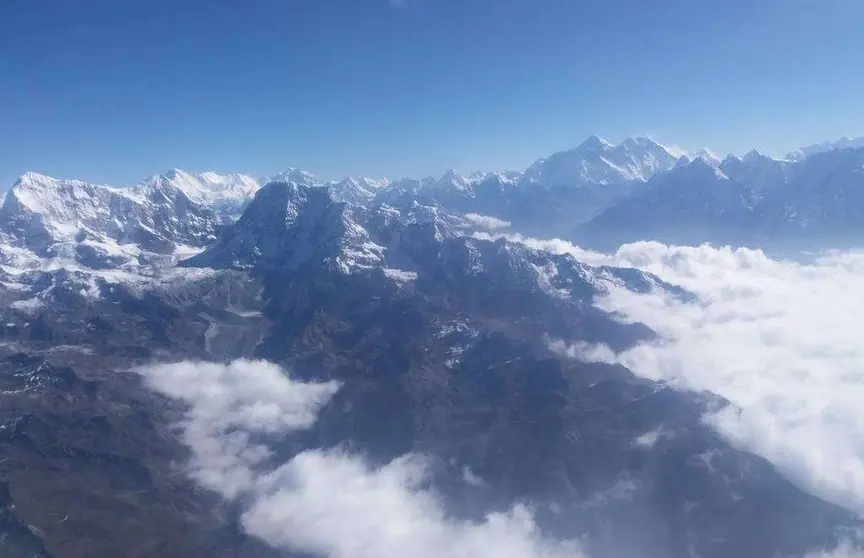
column 440, row 339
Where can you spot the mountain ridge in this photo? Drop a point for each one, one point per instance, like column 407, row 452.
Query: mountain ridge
column 555, row 196
column 755, row 200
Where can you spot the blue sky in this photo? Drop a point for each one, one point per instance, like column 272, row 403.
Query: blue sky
column 114, row 90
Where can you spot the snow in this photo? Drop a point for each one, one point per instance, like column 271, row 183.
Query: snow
column 465, row 337
column 706, row 155
column 65, row 206
column 208, row 188
column 400, row 275
column 597, row 161
column 294, row 175
column 29, row 305
column 546, row 276
column 676, row 150
column 359, row 256
column 453, row 179
column 842, row 143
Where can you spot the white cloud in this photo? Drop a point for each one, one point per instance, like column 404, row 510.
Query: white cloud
column 781, row 340
column 227, row 404
column 323, row 502
column 333, row 504
column 486, row 221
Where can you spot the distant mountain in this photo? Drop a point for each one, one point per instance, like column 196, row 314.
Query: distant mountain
column 596, row 161
column 227, row 194
column 555, row 193
column 842, row 143
column 754, row 200
column 351, row 190
column 695, row 201
column 295, row 176
column 761, row 172
column 824, row 197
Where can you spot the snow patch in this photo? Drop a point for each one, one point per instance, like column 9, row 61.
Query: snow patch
column 400, row 275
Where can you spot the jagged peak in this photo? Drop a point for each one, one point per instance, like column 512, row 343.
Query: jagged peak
column 176, row 173
column 31, row 178
column 211, row 176
column 754, row 155
column 640, row 142
column 43, row 194
column 225, row 193
column 229, row 178
column 175, row 177
column 452, row 178
column 675, row 150
column 707, row 155
column 701, row 165
column 289, row 224
column 844, row 142
column 452, row 174
column 293, row 174
column 594, row 142
column 348, row 181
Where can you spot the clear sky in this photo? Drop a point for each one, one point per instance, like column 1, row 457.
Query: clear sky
column 114, row 90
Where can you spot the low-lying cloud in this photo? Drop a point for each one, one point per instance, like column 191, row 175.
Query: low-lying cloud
column 486, row 221
column 227, row 405
column 781, row 340
column 324, row 502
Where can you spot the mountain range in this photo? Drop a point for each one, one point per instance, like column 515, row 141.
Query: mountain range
column 439, row 338
column 598, row 195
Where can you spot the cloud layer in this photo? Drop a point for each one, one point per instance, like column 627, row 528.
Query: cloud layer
column 781, row 340
column 323, row 502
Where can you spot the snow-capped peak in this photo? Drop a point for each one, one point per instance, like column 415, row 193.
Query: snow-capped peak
column 351, row 190
column 100, row 225
column 59, row 203
column 294, row 175
column 289, row 225
column 31, row 178
column 596, row 161
column 706, row 155
column 594, row 142
column 228, row 192
column 504, row 177
column 676, row 150
column 843, row 143
column 703, row 164
column 453, row 179
column 754, row 156
column 233, row 181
